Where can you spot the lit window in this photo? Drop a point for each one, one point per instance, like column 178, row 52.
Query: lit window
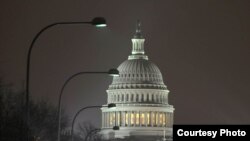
column 132, row 119
column 137, row 119
column 164, row 119
column 160, row 119
column 142, row 119
column 110, row 119
column 148, row 119
column 126, row 116
column 153, row 118
column 113, row 117
column 118, row 118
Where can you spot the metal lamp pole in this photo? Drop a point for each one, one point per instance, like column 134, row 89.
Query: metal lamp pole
column 82, row 109
column 111, row 72
column 98, row 22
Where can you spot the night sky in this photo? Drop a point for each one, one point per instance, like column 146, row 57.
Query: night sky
column 202, row 48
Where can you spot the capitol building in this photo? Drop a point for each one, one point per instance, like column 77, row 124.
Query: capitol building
column 142, row 110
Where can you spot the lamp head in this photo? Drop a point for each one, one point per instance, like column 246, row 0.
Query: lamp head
column 116, row 128
column 111, row 105
column 99, row 22
column 113, row 72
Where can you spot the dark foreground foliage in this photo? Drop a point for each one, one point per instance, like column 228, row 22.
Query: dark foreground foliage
column 42, row 119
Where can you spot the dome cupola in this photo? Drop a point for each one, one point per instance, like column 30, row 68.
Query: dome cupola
column 138, row 71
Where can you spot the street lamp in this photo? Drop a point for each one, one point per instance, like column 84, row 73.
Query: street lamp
column 111, row 72
column 111, row 105
column 97, row 21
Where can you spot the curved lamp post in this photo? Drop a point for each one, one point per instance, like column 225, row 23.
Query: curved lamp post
column 111, row 72
column 111, row 105
column 98, row 22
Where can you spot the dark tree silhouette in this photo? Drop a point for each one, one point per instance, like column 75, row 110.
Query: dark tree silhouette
column 43, row 117
column 87, row 129
column 11, row 113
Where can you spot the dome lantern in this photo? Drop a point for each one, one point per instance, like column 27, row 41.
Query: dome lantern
column 138, row 44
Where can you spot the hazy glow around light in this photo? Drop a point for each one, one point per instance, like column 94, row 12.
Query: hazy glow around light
column 101, row 25
column 114, row 74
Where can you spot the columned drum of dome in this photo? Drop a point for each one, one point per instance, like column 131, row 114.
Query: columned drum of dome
column 142, row 110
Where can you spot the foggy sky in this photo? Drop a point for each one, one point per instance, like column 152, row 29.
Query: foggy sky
column 202, row 48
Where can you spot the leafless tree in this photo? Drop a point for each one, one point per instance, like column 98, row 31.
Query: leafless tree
column 87, row 131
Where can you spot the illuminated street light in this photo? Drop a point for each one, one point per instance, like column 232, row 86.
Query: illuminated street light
column 97, row 21
column 111, row 72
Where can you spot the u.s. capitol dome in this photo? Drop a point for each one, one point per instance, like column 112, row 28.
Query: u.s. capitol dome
column 142, row 111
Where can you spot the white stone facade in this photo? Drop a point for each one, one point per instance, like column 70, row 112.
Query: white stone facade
column 141, row 99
